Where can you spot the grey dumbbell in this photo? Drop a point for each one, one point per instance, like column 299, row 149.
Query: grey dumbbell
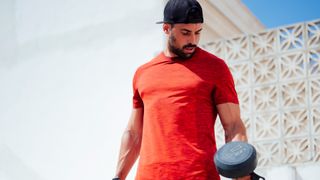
column 237, row 159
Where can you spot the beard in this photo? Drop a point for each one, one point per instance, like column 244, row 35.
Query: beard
column 179, row 51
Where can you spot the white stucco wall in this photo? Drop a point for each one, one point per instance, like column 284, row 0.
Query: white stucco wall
column 65, row 83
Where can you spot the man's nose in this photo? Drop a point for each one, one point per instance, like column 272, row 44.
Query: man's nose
column 192, row 39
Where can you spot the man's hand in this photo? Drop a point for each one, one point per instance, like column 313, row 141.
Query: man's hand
column 244, row 178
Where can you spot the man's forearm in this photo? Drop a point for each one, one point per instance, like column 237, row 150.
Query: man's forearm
column 129, row 152
column 236, row 133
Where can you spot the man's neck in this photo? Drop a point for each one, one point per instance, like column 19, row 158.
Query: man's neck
column 168, row 53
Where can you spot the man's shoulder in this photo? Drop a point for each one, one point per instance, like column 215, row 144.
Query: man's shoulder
column 211, row 57
column 151, row 62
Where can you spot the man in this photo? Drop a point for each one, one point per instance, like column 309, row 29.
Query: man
column 176, row 98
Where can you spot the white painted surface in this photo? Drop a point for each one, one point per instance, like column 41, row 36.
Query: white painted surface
column 281, row 172
column 65, row 85
column 65, row 81
column 308, row 172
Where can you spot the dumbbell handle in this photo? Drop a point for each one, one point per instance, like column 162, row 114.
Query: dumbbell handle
column 255, row 176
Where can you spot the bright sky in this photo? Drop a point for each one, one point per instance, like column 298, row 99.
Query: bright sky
column 275, row 13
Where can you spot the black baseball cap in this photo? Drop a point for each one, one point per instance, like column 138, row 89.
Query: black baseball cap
column 182, row 11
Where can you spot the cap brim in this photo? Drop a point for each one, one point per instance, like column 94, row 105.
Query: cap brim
column 160, row 22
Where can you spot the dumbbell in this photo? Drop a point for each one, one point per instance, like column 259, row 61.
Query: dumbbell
column 237, row 159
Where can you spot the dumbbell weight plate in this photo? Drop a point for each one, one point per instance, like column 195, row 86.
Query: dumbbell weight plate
column 236, row 159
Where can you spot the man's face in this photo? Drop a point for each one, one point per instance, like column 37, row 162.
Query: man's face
column 183, row 38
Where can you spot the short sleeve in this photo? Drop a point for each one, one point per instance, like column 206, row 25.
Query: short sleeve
column 136, row 99
column 225, row 91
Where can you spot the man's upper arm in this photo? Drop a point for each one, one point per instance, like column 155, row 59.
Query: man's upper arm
column 228, row 113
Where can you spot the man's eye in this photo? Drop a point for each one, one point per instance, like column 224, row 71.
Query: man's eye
column 185, row 33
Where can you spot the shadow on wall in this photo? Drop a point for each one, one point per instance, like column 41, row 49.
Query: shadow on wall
column 13, row 168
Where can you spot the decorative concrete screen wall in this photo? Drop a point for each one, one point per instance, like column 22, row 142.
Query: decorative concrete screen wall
column 277, row 76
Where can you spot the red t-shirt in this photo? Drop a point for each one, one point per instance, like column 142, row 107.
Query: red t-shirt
column 179, row 100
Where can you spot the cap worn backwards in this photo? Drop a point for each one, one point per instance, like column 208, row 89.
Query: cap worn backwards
column 182, row 11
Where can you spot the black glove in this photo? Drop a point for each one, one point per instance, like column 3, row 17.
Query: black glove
column 116, row 179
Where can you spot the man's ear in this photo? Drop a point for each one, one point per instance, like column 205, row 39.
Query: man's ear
column 166, row 28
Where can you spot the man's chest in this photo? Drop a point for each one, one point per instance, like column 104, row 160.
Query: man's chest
column 174, row 80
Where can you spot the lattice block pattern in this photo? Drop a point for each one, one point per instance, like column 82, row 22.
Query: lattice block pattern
column 241, row 74
column 267, row 126
column 263, row 44
column 313, row 33
column 294, row 94
column 296, row 123
column 237, row 49
column 297, row 150
column 277, row 76
column 265, row 98
column 216, row 48
column 244, row 96
column 265, row 70
column 316, row 149
column 292, row 66
column 315, row 116
column 291, row 37
column 313, row 60
column 315, row 92
column 248, row 124
column 269, row 153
